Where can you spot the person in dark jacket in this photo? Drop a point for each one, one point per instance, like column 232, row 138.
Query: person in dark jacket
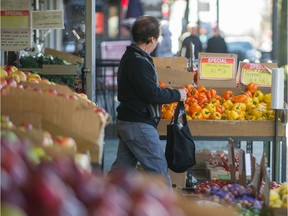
column 216, row 44
column 141, row 98
column 185, row 49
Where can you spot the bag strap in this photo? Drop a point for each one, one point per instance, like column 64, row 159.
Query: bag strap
column 180, row 107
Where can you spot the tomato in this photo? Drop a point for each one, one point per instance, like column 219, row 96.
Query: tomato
column 205, row 113
column 197, row 115
column 227, row 95
column 216, row 116
column 252, row 87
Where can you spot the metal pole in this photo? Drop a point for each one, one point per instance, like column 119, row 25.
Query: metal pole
column 90, row 53
column 275, row 32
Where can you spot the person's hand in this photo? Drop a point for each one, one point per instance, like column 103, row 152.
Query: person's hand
column 183, row 94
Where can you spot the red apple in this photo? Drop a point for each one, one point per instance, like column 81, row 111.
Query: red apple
column 51, row 91
column 45, row 81
column 33, row 80
column 28, row 87
column 73, row 97
column 11, row 69
column 21, row 75
column 11, row 82
column 63, row 95
column 35, row 89
column 68, row 144
column 3, row 83
column 3, row 73
column 27, row 73
column 14, row 76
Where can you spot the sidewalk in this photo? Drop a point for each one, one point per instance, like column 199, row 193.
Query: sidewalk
column 111, row 144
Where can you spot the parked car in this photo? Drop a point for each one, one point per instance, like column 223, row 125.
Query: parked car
column 243, row 47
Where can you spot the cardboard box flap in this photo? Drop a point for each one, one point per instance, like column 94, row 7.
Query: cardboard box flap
column 66, row 56
column 217, row 70
column 173, row 71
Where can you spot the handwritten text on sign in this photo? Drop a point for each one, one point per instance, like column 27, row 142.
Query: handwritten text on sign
column 47, row 19
column 255, row 73
column 15, row 30
column 217, row 68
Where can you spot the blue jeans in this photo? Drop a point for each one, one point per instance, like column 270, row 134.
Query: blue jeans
column 140, row 142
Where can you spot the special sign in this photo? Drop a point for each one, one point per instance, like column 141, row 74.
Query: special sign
column 217, row 68
column 256, row 73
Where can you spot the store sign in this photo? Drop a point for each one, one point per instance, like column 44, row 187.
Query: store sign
column 256, row 73
column 15, row 5
column 47, row 19
column 15, row 25
column 217, row 68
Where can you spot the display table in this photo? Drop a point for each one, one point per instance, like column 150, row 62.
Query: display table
column 222, row 130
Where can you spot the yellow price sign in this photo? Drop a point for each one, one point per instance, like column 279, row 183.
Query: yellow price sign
column 220, row 68
column 256, row 73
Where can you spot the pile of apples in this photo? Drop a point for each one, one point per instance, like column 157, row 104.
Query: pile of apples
column 11, row 76
column 59, row 187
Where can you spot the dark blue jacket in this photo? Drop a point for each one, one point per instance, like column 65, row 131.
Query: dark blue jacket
column 139, row 93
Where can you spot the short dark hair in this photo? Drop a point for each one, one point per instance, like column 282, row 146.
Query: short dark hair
column 145, row 27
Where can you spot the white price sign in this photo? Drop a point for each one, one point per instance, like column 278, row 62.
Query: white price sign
column 47, row 19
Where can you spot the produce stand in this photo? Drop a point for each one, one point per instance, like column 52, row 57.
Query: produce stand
column 222, row 130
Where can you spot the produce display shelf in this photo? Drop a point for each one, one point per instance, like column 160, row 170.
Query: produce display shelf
column 222, row 130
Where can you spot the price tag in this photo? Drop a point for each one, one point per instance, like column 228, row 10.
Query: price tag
column 248, row 164
column 217, row 68
column 256, row 73
column 15, row 30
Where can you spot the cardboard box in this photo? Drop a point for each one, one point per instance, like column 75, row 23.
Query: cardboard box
column 173, row 71
column 59, row 116
column 54, row 69
column 220, row 173
column 178, row 179
column 224, row 129
column 219, row 68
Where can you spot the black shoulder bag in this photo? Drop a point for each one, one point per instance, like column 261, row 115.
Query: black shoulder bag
column 180, row 147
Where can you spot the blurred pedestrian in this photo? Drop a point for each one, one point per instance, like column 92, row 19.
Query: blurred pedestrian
column 193, row 37
column 164, row 47
column 141, row 99
column 216, row 43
